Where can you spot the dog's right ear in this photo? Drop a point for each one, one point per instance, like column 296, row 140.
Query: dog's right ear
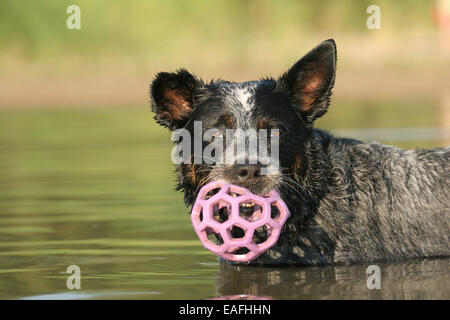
column 172, row 97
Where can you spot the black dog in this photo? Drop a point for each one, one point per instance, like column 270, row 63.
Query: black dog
column 350, row 201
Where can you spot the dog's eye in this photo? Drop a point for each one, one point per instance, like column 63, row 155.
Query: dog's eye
column 275, row 133
column 279, row 130
column 216, row 133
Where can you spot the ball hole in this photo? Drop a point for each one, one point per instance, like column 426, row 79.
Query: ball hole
column 214, row 236
column 250, row 211
column 221, row 211
column 211, row 193
column 274, row 211
column 261, row 234
column 235, row 191
column 240, row 250
column 236, row 232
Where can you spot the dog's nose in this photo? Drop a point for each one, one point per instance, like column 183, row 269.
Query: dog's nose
column 248, row 171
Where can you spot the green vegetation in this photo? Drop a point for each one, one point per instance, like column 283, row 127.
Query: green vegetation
column 169, row 29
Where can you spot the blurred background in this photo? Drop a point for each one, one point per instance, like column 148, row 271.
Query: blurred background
column 85, row 173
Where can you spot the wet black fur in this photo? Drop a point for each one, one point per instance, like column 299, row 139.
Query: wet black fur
column 350, row 201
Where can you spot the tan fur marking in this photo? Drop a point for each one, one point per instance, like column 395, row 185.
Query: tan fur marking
column 228, row 121
column 193, row 173
column 263, row 124
column 309, row 91
column 178, row 106
column 297, row 165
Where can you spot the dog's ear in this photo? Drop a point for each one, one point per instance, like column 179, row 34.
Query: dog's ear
column 309, row 82
column 172, row 97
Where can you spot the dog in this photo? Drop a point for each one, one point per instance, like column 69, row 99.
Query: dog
column 350, row 202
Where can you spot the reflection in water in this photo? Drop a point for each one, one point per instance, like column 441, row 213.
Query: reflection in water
column 426, row 279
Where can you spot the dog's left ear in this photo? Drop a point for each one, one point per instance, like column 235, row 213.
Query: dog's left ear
column 309, row 82
column 173, row 97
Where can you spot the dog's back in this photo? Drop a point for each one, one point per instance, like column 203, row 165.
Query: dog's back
column 386, row 203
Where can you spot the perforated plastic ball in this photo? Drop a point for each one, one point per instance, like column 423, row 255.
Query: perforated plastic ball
column 236, row 224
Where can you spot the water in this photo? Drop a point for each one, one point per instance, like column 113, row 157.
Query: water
column 95, row 188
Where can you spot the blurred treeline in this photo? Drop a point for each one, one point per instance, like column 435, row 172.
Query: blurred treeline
column 161, row 30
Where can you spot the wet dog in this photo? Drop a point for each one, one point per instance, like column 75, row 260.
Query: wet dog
column 350, row 201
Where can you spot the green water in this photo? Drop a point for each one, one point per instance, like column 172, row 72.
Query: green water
column 95, row 188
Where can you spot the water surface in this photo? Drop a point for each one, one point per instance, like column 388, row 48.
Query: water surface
column 96, row 189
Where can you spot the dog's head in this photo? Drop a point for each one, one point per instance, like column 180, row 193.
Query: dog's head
column 290, row 104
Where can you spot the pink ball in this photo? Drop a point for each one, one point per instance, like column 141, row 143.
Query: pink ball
column 216, row 215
